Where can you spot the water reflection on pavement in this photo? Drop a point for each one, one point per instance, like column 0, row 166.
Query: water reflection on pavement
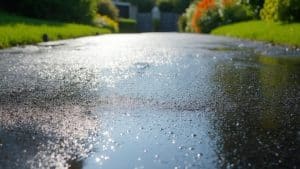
column 150, row 101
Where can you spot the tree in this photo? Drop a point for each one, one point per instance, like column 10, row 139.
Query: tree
column 143, row 5
column 82, row 11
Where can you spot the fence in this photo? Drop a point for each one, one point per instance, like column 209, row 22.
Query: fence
column 168, row 22
column 144, row 22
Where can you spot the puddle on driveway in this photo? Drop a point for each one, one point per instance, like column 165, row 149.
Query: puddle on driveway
column 240, row 112
column 123, row 101
column 143, row 137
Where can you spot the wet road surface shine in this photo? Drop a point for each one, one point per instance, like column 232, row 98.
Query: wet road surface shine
column 149, row 101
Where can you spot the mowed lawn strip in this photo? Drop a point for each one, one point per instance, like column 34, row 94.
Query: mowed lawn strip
column 18, row 30
column 277, row 33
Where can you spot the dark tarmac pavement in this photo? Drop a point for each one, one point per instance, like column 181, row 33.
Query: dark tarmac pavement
column 150, row 101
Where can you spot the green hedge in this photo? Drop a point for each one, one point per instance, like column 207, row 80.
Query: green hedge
column 237, row 13
column 81, row 11
column 127, row 25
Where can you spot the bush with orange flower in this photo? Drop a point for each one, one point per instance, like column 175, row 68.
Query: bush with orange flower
column 209, row 14
column 206, row 16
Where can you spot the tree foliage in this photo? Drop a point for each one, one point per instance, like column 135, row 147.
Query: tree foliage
column 143, row 5
column 181, row 5
column 107, row 8
column 165, row 5
column 82, row 11
column 281, row 10
column 255, row 5
column 177, row 6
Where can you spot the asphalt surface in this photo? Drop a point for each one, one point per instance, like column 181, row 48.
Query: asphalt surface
column 157, row 100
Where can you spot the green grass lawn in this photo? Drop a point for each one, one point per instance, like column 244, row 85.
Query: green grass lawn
column 17, row 30
column 277, row 33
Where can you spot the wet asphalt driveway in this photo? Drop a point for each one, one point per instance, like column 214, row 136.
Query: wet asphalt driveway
column 150, row 101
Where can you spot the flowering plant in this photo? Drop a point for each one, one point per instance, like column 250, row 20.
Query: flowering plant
column 209, row 14
column 202, row 7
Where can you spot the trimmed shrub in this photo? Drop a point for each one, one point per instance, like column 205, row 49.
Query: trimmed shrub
column 271, row 10
column 127, row 25
column 106, row 22
column 106, row 7
column 281, row 10
column 82, row 11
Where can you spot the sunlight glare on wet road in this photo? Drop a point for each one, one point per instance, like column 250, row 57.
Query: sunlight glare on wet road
column 149, row 101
